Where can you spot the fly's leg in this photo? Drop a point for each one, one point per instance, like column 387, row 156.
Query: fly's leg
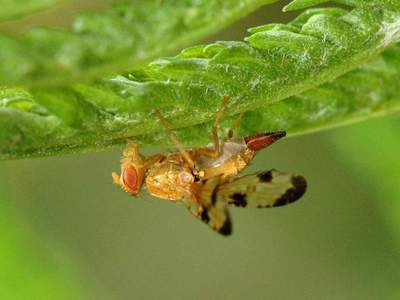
column 216, row 142
column 131, row 149
column 234, row 125
column 152, row 160
column 131, row 154
column 216, row 151
column 116, row 178
column 186, row 155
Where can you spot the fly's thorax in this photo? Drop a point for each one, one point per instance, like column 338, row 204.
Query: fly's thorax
column 170, row 179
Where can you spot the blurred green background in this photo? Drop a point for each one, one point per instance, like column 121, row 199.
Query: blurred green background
column 68, row 233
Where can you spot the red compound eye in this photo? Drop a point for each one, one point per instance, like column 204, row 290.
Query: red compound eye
column 131, row 178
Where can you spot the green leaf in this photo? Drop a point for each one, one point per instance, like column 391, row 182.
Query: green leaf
column 15, row 8
column 114, row 40
column 334, row 104
column 299, row 4
column 277, row 62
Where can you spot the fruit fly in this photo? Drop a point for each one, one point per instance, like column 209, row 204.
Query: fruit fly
column 204, row 179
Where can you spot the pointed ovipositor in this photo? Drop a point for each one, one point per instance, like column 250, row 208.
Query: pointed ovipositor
column 262, row 140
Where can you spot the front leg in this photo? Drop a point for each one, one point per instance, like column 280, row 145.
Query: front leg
column 216, row 152
column 196, row 152
column 131, row 154
column 185, row 154
column 217, row 144
column 234, row 125
column 152, row 160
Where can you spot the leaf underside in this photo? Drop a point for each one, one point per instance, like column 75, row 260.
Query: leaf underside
column 282, row 75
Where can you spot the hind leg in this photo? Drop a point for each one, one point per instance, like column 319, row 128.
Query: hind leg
column 216, row 151
column 235, row 125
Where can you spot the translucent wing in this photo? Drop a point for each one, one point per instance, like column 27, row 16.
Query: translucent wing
column 265, row 189
column 209, row 209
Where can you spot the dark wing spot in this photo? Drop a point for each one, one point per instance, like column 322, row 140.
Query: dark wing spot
column 294, row 193
column 226, row 229
column 286, row 198
column 214, row 195
column 265, row 176
column 204, row 216
column 239, row 200
column 300, row 184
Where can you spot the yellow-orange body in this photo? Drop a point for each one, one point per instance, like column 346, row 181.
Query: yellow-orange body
column 170, row 177
column 200, row 177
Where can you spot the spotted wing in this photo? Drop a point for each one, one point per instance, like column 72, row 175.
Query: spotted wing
column 209, row 209
column 265, row 189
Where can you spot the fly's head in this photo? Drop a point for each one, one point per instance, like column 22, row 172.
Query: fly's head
column 132, row 170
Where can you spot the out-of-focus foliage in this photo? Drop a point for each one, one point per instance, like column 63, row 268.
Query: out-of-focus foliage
column 372, row 151
column 113, row 40
column 13, row 8
column 29, row 268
